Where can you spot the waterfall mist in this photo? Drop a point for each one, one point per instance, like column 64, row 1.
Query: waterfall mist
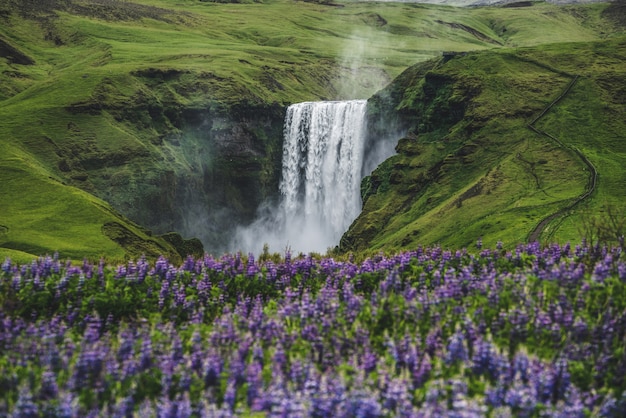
column 320, row 186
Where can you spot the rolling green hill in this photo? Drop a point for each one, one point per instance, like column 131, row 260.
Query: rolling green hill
column 169, row 114
column 471, row 166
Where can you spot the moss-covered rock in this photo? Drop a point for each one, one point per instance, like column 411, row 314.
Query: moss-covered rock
column 185, row 247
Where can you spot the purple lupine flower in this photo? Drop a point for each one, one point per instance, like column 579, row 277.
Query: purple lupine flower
column 130, row 367
column 621, row 270
column 25, row 406
column 562, row 379
column 484, row 361
column 16, row 283
column 126, row 348
column 163, row 294
column 572, row 406
column 327, row 301
column 369, row 360
column 49, row 388
column 168, row 367
column 456, row 350
column 392, row 350
column 67, row 407
column 462, row 405
column 433, row 342
column 177, row 349
column 602, row 270
column 170, row 274
column 312, row 384
column 88, row 367
column 254, row 380
column 161, row 266
column 280, row 358
column 237, row 369
column 612, row 407
column 297, row 374
column 395, row 395
column 544, row 384
column 391, row 283
column 495, row 397
column 143, row 268
column 178, row 408
column 521, row 398
column 121, row 272
column 361, row 403
column 230, row 395
column 145, row 359
column 189, row 264
column 213, row 366
column 421, row 374
column 521, row 367
column 252, row 268
column 178, row 296
column 196, row 355
column 124, row 408
column 7, row 266
column 436, row 392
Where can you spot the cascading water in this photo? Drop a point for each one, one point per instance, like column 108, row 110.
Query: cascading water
column 321, row 175
column 322, row 159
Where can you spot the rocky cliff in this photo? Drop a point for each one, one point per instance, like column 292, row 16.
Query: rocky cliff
column 200, row 169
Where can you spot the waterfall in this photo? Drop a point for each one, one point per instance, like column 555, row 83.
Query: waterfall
column 321, row 176
column 322, row 158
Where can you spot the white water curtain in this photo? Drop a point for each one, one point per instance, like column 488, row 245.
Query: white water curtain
column 321, row 175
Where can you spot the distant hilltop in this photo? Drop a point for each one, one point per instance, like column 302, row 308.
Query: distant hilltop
column 467, row 3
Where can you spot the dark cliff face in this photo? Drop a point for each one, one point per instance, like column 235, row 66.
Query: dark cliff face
column 234, row 164
column 198, row 168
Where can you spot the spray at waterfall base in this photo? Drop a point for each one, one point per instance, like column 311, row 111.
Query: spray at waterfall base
column 322, row 167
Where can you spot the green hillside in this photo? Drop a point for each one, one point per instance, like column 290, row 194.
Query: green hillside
column 472, row 167
column 169, row 114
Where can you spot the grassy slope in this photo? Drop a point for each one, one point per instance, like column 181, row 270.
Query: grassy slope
column 89, row 54
column 489, row 175
column 592, row 119
column 31, row 223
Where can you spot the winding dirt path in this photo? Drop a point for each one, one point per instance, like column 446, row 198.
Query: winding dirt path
column 593, row 173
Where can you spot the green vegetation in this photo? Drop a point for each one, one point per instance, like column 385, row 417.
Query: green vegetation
column 156, row 107
column 536, row 331
column 479, row 170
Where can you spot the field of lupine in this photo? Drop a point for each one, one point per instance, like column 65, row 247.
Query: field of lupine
column 531, row 332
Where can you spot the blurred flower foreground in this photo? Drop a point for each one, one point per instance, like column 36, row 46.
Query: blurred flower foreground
column 538, row 331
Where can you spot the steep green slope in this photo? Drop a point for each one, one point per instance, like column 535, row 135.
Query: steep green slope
column 40, row 215
column 471, row 167
column 172, row 111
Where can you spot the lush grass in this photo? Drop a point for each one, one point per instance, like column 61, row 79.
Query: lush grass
column 240, row 41
column 591, row 119
column 90, row 112
column 32, row 226
column 488, row 174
